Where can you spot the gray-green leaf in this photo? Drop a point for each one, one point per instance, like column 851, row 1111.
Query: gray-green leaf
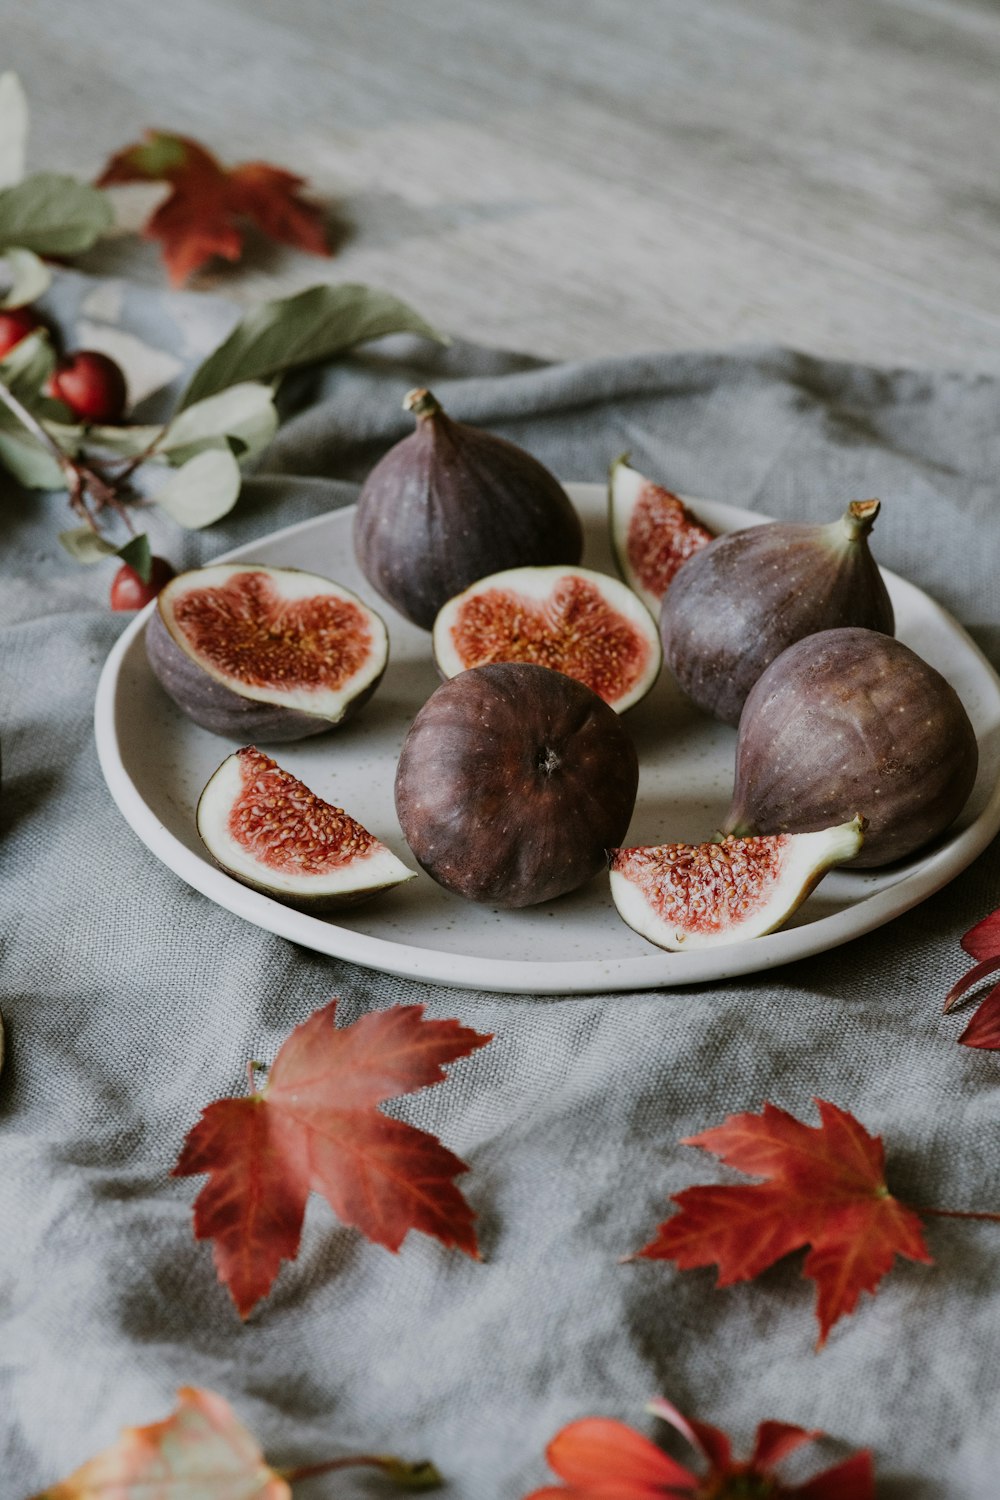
column 13, row 129
column 244, row 412
column 26, row 277
column 85, row 546
column 304, row 329
column 202, row 490
column 53, row 215
column 29, row 463
column 27, row 366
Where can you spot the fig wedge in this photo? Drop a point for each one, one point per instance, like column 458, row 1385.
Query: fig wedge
column 687, row 896
column 269, row 831
column 653, row 532
column 576, row 621
column 264, row 653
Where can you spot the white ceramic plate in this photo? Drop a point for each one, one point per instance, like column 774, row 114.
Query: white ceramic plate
column 156, row 762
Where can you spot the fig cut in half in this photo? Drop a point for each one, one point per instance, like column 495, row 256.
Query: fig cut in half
column 686, row 896
column 652, row 532
column 576, row 621
column 264, row 653
column 269, row 831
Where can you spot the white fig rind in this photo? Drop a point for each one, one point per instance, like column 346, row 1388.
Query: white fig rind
column 806, row 858
column 537, row 585
column 363, row 876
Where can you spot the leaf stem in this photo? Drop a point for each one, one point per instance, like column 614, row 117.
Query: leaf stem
column 80, row 477
column 410, row 1476
column 30, row 421
column 959, row 1213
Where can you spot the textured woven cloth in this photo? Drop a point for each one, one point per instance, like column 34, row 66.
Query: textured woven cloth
column 131, row 1001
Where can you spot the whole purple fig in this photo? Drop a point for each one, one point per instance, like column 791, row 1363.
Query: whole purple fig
column 853, row 722
column 513, row 783
column 739, row 602
column 452, row 503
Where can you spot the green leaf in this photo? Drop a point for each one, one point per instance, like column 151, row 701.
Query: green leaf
column 30, row 463
column 202, row 490
column 13, row 129
column 27, row 276
column 244, row 413
column 52, row 215
column 304, row 329
column 85, row 546
column 124, row 442
column 139, row 555
column 28, row 365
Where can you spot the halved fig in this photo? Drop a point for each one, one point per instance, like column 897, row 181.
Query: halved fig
column 684, row 896
column 269, row 831
column 576, row 621
column 652, row 531
column 265, row 653
column 513, row 783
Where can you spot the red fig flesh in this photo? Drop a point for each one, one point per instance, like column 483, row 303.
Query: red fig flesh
column 273, row 652
column 451, row 503
column 686, row 896
column 744, row 598
column 513, row 783
column 269, row 831
column 573, row 620
column 853, row 721
column 653, row 533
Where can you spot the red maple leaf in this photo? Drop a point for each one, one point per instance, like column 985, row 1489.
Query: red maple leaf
column 982, row 943
column 824, row 1186
column 208, row 204
column 604, row 1460
column 315, row 1125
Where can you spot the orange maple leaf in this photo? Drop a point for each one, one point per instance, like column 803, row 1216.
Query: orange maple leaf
column 600, row 1459
column 824, row 1187
column 315, row 1125
column 208, row 204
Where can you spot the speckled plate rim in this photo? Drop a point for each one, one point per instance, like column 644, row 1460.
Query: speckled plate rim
column 655, row 970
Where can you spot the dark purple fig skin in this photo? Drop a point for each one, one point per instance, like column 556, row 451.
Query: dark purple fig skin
column 449, row 505
column 852, row 721
column 739, row 602
column 216, row 707
column 513, row 783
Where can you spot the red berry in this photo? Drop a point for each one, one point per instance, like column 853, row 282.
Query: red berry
column 128, row 590
column 15, row 324
column 91, row 385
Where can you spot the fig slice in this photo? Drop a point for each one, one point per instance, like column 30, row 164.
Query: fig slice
column 268, row 830
column 584, row 624
column 264, row 653
column 652, row 532
column 685, row 896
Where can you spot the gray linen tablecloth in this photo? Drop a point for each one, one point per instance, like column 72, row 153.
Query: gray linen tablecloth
column 131, row 1002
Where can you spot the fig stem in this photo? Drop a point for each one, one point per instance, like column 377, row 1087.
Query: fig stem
column 859, row 518
column 422, row 403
